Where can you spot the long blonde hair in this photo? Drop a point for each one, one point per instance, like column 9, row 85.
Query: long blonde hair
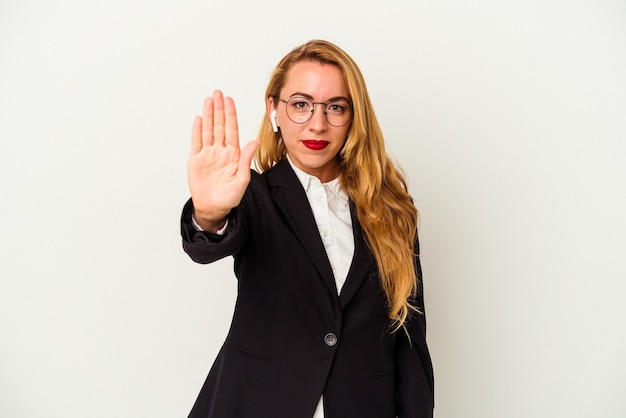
column 376, row 186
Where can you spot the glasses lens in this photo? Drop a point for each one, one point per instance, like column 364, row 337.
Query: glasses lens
column 300, row 110
column 338, row 113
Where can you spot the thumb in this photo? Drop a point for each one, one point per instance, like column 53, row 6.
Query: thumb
column 246, row 156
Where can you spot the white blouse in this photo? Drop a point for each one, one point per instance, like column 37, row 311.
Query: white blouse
column 329, row 202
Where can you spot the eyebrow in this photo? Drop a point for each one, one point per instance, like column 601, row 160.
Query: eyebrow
column 308, row 96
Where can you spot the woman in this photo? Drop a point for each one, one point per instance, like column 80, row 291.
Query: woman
column 328, row 320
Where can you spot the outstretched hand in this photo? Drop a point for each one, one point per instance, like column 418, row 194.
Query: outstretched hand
column 218, row 171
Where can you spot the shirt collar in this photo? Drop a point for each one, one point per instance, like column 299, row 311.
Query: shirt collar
column 305, row 178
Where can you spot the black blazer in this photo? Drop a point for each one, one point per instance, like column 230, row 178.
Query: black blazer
column 292, row 337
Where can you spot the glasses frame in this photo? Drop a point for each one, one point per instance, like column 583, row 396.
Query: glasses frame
column 313, row 110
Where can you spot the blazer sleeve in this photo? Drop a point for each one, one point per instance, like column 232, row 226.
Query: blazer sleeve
column 205, row 247
column 414, row 370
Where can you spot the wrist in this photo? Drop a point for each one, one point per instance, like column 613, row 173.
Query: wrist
column 209, row 224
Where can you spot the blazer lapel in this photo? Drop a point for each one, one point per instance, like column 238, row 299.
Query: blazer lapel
column 361, row 262
column 288, row 194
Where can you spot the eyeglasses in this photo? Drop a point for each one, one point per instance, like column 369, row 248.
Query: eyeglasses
column 300, row 110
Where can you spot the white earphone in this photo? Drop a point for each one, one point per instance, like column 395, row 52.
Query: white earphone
column 273, row 120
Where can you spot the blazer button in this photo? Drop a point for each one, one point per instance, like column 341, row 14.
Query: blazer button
column 330, row 339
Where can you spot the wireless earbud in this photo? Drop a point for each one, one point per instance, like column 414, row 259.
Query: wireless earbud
column 273, row 120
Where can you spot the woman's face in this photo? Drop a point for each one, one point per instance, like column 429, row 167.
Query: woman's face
column 312, row 145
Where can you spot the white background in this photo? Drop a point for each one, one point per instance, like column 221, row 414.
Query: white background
column 508, row 117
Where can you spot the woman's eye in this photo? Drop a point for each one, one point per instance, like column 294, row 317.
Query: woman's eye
column 301, row 105
column 335, row 108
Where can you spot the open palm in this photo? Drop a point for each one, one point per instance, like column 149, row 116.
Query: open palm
column 218, row 171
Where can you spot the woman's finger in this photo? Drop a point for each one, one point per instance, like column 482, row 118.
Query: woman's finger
column 196, row 135
column 218, row 118
column 247, row 153
column 207, row 122
column 231, row 130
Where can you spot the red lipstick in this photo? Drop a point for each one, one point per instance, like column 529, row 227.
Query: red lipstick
column 315, row 145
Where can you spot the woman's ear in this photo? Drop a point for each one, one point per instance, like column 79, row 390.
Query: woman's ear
column 271, row 110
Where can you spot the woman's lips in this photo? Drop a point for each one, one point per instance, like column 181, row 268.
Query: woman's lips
column 315, row 145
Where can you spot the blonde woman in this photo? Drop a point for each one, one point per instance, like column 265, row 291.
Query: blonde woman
column 329, row 316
